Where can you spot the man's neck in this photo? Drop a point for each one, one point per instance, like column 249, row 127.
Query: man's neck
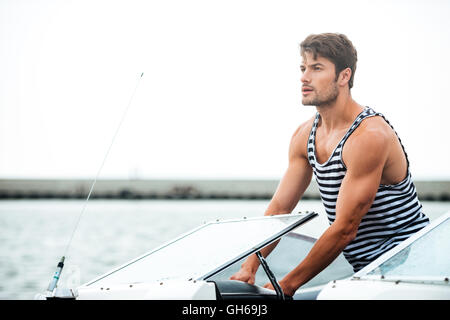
column 339, row 114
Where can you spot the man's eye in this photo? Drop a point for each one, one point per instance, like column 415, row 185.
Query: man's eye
column 317, row 68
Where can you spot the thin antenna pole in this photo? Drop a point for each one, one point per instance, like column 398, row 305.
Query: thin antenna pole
column 101, row 166
column 54, row 281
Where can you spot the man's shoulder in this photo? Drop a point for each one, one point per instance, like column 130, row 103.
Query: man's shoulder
column 373, row 128
column 304, row 129
column 369, row 142
column 299, row 139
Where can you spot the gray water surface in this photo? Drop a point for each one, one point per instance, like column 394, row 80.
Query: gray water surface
column 34, row 234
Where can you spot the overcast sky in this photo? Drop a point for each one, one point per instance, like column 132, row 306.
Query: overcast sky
column 220, row 96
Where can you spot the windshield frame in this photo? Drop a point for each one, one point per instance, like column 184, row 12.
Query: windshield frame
column 365, row 273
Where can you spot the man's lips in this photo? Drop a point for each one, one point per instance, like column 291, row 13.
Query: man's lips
column 306, row 90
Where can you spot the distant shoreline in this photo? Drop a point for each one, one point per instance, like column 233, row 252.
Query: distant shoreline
column 174, row 189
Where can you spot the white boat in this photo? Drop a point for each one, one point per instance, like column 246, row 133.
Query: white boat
column 199, row 263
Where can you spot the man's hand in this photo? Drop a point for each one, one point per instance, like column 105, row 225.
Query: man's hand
column 244, row 274
column 288, row 290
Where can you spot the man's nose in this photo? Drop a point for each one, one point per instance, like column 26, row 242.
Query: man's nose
column 305, row 78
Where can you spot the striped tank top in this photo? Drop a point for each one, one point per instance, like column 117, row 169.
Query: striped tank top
column 395, row 214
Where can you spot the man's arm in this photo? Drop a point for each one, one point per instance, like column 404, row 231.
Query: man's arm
column 365, row 156
column 289, row 191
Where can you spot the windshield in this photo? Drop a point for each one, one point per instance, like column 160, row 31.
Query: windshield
column 290, row 251
column 426, row 258
column 206, row 250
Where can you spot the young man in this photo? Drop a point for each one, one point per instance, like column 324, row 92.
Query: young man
column 359, row 163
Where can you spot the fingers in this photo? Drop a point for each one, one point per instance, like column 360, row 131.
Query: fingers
column 239, row 277
column 269, row 286
column 243, row 276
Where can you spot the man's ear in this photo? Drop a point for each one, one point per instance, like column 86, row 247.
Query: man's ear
column 344, row 76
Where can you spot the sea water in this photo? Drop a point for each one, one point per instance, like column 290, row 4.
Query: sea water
column 34, row 234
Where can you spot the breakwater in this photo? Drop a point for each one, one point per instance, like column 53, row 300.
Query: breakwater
column 174, row 189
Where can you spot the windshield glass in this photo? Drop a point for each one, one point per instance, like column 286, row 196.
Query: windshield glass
column 426, row 258
column 205, row 250
column 290, row 251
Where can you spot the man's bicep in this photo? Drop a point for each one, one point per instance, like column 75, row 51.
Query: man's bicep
column 365, row 163
column 357, row 191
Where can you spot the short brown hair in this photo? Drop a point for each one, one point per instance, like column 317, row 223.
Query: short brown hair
column 334, row 46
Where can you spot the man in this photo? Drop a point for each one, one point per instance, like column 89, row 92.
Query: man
column 359, row 163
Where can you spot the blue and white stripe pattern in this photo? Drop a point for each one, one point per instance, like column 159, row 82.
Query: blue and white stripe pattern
column 395, row 214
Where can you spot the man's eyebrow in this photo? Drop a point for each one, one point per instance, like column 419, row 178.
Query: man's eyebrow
column 313, row 65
